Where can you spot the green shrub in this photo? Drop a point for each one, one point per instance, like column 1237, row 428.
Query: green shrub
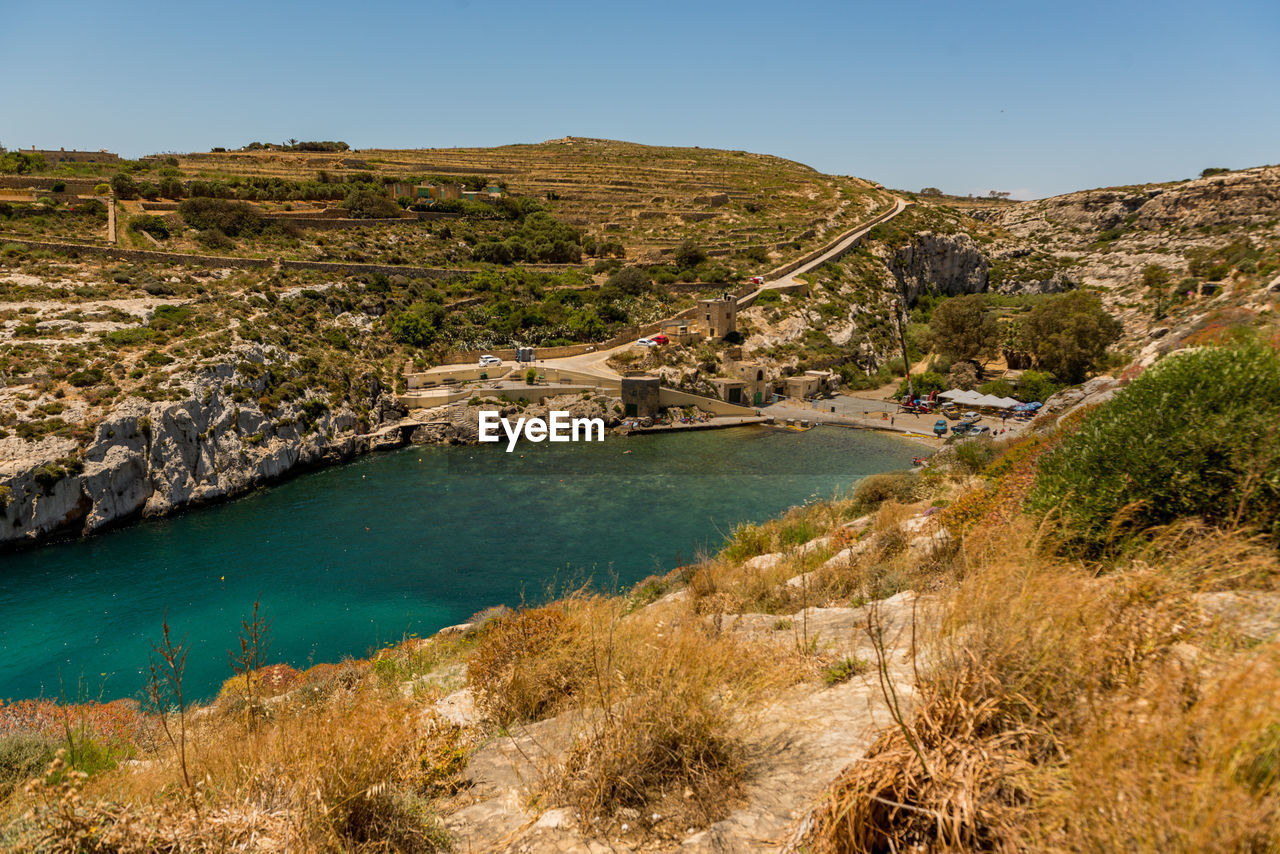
column 1194, row 436
column 974, row 455
column 151, row 224
column 844, row 670
column 996, row 388
column 23, row 756
column 127, row 337
column 876, row 489
column 87, row 377
column 1036, row 385
column 769, row 297
column 229, row 217
column 924, row 383
column 628, row 280
column 370, row 204
column 168, row 316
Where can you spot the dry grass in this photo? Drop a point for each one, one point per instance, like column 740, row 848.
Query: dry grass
column 349, row 767
column 659, row 736
column 853, row 565
column 530, row 663
column 654, row 702
column 1063, row 709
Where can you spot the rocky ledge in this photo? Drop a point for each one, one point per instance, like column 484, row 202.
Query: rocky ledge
column 151, row 458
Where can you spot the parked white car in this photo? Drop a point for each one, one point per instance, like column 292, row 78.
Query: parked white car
column 646, row 342
column 487, row 361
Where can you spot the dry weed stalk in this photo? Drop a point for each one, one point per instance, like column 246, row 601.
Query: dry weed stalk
column 164, row 689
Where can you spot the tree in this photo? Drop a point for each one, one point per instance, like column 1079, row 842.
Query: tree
column 171, row 188
column 962, row 328
column 229, row 217
column 370, row 204
column 628, row 280
column 124, row 186
column 963, row 375
column 931, row 191
column 689, row 255
column 418, row 325
column 1155, row 279
column 585, row 324
column 1069, row 333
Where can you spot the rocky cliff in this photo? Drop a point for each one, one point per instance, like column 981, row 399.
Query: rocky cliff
column 148, row 459
column 940, row 264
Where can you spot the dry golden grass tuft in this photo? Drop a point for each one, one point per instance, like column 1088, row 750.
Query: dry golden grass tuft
column 659, row 734
column 530, row 663
column 1063, row 708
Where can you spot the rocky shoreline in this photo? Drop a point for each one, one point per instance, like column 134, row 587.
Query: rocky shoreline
column 151, row 459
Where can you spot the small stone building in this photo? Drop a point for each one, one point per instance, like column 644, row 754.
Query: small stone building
column 732, row 390
column 718, row 317
column 640, row 396
column 810, row 384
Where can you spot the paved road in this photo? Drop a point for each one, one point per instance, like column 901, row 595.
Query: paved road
column 835, row 251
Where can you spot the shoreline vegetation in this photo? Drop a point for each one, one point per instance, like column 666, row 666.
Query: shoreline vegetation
column 1024, row 651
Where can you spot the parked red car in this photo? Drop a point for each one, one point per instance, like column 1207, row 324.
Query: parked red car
column 660, row 339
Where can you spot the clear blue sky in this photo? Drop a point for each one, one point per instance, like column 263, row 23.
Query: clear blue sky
column 1032, row 97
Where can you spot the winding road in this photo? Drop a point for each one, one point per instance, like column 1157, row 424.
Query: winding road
column 595, row 363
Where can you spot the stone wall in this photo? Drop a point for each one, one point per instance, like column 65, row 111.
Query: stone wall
column 74, row 185
column 141, row 255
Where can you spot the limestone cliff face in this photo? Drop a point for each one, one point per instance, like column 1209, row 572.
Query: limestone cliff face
column 941, row 264
column 1244, row 198
column 148, row 459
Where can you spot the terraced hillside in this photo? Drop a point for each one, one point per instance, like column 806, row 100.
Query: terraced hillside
column 733, row 203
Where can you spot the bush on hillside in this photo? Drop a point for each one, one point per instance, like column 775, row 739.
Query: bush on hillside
column 629, row 280
column 1197, row 435
column 370, row 204
column 23, row 756
column 229, row 217
column 151, row 224
column 876, row 489
column 689, row 255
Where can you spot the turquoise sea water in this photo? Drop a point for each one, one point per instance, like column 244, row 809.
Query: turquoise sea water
column 346, row 559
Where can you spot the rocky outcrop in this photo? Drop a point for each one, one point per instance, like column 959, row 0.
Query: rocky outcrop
column 940, row 264
column 1247, row 197
column 148, row 459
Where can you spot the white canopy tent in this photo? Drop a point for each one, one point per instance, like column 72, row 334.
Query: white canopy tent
column 973, row 398
column 959, row 396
